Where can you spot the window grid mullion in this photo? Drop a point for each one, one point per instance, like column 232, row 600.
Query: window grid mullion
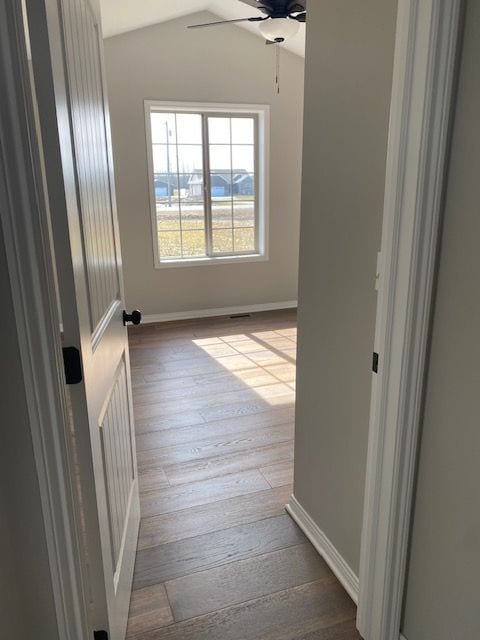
column 178, row 186
column 207, row 200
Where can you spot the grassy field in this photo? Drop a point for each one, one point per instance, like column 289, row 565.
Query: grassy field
column 181, row 230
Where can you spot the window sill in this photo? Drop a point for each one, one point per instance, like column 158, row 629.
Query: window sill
column 208, row 262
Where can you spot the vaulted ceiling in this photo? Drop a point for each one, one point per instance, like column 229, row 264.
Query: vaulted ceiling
column 119, row 16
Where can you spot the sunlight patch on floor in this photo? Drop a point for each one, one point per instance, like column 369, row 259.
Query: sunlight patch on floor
column 264, row 361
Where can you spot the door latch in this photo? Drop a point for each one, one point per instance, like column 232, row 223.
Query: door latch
column 375, row 362
column 100, row 635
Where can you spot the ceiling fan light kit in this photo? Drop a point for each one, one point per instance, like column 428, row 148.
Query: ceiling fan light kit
column 279, row 29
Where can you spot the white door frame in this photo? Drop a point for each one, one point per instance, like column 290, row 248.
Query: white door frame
column 24, row 220
column 422, row 93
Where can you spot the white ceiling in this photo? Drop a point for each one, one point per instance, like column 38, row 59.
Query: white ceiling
column 119, row 16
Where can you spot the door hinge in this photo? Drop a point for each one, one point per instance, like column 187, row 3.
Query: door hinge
column 375, row 362
column 100, row 635
column 72, row 364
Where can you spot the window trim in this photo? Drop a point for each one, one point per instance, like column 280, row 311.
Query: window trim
column 262, row 140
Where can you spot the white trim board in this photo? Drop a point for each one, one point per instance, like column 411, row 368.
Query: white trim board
column 219, row 311
column 345, row 574
column 422, row 92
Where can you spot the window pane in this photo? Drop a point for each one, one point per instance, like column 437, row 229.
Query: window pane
column 244, row 213
column 165, row 186
column 182, row 188
column 170, row 244
column 222, row 240
column 221, row 186
column 163, row 127
column 164, row 158
column 243, row 158
column 242, row 130
column 189, row 158
column 243, row 186
column 189, row 128
column 220, row 158
column 168, row 214
column 221, row 214
column 193, row 243
column 194, row 185
column 219, row 130
column 244, row 239
column 193, row 216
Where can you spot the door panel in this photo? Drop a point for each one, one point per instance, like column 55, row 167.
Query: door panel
column 87, row 101
column 74, row 119
column 118, row 462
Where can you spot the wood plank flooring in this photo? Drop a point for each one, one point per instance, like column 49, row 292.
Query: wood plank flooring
column 218, row 558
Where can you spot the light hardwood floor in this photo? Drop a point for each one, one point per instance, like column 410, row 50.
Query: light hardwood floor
column 218, row 558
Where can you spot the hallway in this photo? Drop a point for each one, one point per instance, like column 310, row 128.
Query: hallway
column 218, row 558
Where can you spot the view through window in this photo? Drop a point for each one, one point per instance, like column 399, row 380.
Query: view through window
column 204, row 180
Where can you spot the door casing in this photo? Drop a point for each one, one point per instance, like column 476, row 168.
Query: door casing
column 425, row 60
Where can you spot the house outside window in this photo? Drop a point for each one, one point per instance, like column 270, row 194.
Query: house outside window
column 208, row 182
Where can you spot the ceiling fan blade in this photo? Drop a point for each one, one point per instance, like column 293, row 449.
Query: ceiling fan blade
column 278, row 8
column 213, row 24
column 300, row 17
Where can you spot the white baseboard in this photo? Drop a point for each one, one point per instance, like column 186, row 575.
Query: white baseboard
column 220, row 311
column 325, row 548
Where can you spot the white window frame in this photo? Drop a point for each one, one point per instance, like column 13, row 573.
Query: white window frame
column 262, row 141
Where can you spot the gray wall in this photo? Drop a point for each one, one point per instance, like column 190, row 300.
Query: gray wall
column 348, row 77
column 227, row 64
column 26, row 601
column 442, row 597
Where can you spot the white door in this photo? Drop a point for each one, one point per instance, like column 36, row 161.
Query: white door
column 79, row 177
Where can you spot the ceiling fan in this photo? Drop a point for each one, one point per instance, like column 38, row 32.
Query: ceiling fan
column 282, row 19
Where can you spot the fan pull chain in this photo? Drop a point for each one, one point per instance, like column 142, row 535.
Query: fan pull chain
column 277, row 67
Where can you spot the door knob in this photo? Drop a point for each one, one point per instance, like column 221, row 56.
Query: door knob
column 135, row 317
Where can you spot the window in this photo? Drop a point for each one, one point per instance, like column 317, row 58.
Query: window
column 207, row 182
